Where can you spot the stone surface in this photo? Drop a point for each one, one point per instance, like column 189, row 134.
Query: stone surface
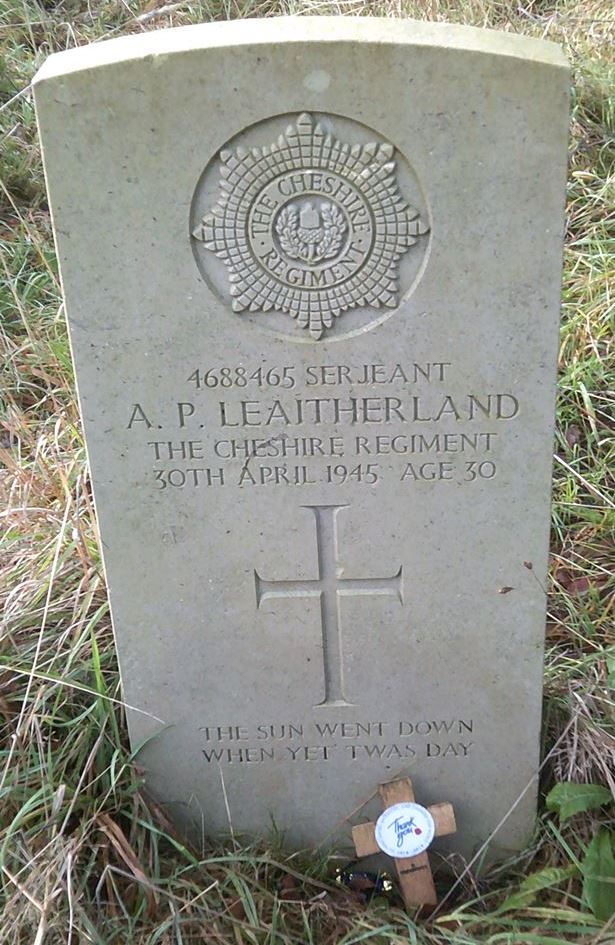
column 312, row 274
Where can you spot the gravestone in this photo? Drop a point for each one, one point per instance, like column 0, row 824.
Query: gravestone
column 312, row 271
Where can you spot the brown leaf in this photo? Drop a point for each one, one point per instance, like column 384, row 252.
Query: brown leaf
column 290, row 888
column 573, row 435
column 236, row 909
column 573, row 585
column 579, row 585
column 126, row 853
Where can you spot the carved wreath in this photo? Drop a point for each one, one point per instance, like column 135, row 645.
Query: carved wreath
column 311, row 244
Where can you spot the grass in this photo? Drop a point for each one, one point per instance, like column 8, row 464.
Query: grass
column 84, row 855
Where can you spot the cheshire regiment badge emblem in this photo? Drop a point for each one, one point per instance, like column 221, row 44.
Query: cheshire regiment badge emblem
column 310, row 226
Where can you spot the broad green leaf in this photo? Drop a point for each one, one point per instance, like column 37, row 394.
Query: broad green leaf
column 598, row 870
column 569, row 798
column 531, row 885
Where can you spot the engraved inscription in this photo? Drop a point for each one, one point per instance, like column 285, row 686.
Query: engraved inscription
column 384, row 742
column 267, row 425
column 310, row 225
column 328, row 588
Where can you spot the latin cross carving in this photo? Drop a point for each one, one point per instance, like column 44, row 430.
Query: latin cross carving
column 330, row 587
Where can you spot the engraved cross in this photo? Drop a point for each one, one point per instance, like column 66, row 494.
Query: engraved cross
column 329, row 587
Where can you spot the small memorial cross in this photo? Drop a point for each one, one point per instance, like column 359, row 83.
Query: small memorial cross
column 413, row 871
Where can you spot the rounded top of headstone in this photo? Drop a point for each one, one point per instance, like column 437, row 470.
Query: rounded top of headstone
column 309, row 29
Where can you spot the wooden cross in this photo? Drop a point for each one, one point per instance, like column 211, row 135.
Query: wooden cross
column 414, row 873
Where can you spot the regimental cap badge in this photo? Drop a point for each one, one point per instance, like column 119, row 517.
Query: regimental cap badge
column 310, row 226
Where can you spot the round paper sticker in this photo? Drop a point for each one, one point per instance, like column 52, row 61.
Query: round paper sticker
column 405, row 830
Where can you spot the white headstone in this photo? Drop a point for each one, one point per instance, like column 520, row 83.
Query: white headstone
column 312, row 273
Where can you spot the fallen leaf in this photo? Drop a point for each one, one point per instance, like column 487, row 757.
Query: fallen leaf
column 579, row 585
column 236, row 909
column 289, row 887
column 573, row 435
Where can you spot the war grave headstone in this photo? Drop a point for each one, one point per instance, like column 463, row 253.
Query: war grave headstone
column 312, row 272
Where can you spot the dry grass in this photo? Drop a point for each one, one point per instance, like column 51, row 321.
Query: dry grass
column 83, row 857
